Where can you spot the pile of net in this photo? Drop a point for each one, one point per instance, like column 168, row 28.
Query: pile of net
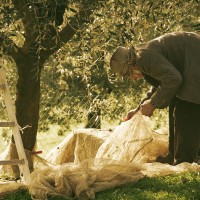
column 91, row 160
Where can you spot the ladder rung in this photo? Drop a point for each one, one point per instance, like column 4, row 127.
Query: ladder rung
column 2, row 86
column 12, row 162
column 7, row 124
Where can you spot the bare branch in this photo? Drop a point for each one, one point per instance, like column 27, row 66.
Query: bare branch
column 25, row 14
column 76, row 24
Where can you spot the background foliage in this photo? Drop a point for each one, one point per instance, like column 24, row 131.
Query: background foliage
column 83, row 64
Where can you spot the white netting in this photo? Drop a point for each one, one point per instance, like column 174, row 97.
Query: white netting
column 127, row 141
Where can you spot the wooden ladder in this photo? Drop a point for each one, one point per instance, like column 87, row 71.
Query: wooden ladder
column 22, row 162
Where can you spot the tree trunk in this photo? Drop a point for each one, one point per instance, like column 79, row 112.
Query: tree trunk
column 27, row 100
column 94, row 119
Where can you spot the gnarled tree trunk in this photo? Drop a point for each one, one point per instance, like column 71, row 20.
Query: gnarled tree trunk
column 27, row 100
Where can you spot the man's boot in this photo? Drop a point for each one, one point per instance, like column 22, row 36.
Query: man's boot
column 169, row 159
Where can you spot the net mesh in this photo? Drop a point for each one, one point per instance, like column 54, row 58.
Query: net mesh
column 127, row 141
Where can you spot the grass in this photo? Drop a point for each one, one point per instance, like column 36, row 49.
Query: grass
column 184, row 186
column 19, row 195
column 45, row 140
column 181, row 187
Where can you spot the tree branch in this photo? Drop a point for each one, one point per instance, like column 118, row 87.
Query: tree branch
column 29, row 20
column 75, row 25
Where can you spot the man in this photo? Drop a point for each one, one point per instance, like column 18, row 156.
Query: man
column 171, row 64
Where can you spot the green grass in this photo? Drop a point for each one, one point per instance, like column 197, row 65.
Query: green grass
column 19, row 195
column 45, row 140
column 181, row 187
column 185, row 186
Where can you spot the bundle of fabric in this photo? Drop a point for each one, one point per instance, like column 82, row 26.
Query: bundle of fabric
column 131, row 141
column 82, row 180
column 78, row 146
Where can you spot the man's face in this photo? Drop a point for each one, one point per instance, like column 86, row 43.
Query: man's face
column 136, row 75
column 132, row 73
column 125, row 72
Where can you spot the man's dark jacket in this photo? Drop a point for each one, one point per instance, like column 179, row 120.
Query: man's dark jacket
column 173, row 60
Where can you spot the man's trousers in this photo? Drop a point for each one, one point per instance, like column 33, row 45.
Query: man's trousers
column 186, row 131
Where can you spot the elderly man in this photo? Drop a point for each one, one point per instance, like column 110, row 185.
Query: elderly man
column 171, row 64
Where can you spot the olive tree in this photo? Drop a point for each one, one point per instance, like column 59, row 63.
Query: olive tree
column 32, row 31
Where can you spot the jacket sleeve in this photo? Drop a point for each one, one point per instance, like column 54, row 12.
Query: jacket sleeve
column 147, row 96
column 158, row 67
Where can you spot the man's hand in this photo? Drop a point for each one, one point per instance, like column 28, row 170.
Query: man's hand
column 147, row 108
column 131, row 113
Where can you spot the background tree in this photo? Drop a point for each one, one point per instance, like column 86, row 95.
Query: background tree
column 30, row 34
